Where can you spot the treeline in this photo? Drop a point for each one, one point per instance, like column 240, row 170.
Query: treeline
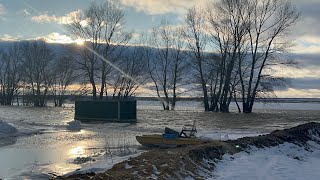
column 225, row 51
column 232, row 45
column 34, row 72
column 249, row 38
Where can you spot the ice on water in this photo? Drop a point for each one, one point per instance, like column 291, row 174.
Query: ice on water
column 41, row 141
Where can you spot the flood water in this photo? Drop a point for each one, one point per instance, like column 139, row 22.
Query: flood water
column 44, row 146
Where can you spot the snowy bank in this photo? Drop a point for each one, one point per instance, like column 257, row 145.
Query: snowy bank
column 286, row 161
column 201, row 161
column 7, row 130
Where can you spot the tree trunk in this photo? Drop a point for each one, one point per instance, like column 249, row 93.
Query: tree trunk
column 103, row 80
column 247, row 108
column 173, row 103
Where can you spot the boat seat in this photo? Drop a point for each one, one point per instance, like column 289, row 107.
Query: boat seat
column 188, row 131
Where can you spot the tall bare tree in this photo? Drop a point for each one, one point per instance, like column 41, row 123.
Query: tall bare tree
column 270, row 21
column 10, row 73
column 247, row 38
column 65, row 75
column 197, row 42
column 102, row 26
column 166, row 63
column 227, row 30
column 38, row 71
column 134, row 67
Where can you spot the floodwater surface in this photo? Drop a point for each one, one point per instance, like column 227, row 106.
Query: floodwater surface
column 44, row 147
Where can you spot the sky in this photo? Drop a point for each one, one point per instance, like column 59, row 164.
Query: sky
column 46, row 19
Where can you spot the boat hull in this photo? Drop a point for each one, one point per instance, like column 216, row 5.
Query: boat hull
column 160, row 141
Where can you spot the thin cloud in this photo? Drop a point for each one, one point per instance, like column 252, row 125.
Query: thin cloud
column 293, row 93
column 23, row 12
column 67, row 19
column 157, row 7
column 3, row 10
column 7, row 37
column 26, row 12
column 297, row 72
column 306, row 44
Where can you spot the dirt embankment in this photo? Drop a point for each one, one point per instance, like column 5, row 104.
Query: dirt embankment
column 195, row 161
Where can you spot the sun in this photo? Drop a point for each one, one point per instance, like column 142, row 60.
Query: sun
column 80, row 42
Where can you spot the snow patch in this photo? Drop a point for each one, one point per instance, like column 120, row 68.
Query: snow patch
column 127, row 166
column 227, row 135
column 286, row 161
column 7, row 129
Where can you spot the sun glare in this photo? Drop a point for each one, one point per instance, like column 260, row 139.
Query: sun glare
column 76, row 151
column 80, row 42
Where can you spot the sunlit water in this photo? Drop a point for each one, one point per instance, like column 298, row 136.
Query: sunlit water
column 45, row 147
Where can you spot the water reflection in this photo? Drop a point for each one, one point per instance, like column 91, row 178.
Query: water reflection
column 7, row 141
column 28, row 162
column 77, row 151
column 55, row 150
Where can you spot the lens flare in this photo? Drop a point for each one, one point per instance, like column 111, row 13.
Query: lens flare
column 82, row 43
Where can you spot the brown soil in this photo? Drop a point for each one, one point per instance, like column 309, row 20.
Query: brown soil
column 193, row 161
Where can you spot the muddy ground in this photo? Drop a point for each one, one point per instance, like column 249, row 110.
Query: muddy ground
column 192, row 161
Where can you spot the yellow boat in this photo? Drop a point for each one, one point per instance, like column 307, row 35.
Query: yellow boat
column 172, row 138
column 161, row 141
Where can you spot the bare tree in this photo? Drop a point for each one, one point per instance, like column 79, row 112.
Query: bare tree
column 180, row 66
column 197, row 43
column 166, row 64
column 102, row 26
column 134, row 66
column 65, row 75
column 270, row 23
column 38, row 60
column 10, row 73
column 228, row 29
column 249, row 36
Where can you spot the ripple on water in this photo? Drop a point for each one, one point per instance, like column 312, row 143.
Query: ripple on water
column 50, row 151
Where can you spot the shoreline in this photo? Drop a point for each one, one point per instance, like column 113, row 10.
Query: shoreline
column 56, row 148
column 185, row 162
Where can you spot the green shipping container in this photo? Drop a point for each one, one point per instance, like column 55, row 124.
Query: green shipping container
column 106, row 110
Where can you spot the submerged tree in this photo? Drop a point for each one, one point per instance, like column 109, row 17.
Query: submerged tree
column 227, row 27
column 65, row 75
column 267, row 30
column 249, row 38
column 38, row 71
column 133, row 74
column 197, row 43
column 166, row 62
column 10, row 73
column 102, row 27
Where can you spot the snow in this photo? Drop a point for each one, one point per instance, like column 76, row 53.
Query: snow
column 7, row 129
column 13, row 130
column 127, row 166
column 283, row 162
column 224, row 135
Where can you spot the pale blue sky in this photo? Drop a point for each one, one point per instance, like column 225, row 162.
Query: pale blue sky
column 16, row 17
